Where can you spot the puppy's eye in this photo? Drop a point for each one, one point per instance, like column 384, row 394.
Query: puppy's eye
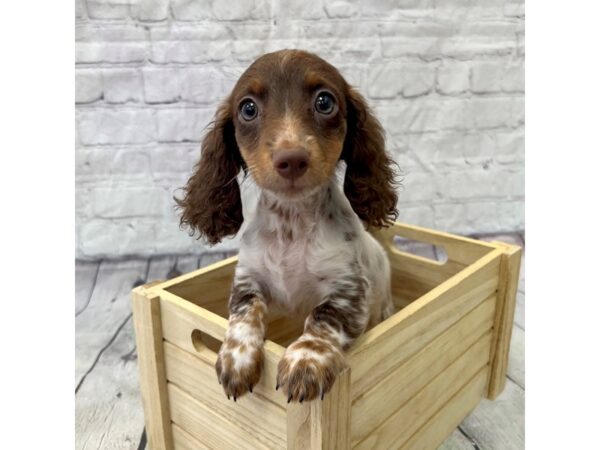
column 325, row 103
column 248, row 110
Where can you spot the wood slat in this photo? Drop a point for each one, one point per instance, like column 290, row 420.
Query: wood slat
column 505, row 312
column 462, row 250
column 180, row 318
column 385, row 397
column 108, row 408
column 253, row 411
column 433, row 433
column 205, row 425
column 151, row 362
column 107, row 310
column 417, row 410
column 185, row 441
column 322, row 425
column 388, row 344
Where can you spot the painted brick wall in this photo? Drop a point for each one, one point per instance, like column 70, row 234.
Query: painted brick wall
column 445, row 77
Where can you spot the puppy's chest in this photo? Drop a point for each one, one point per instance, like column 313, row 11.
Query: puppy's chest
column 293, row 286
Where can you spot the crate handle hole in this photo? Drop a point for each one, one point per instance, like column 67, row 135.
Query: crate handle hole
column 434, row 253
column 202, row 342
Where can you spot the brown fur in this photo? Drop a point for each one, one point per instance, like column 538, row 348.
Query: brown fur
column 284, row 84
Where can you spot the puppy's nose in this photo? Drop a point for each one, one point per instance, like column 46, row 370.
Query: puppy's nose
column 291, row 163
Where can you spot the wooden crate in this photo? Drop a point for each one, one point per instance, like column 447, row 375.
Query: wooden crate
column 411, row 379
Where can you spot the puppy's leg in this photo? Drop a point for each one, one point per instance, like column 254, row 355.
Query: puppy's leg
column 311, row 364
column 240, row 360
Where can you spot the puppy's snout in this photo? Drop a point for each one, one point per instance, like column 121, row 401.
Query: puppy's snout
column 291, row 164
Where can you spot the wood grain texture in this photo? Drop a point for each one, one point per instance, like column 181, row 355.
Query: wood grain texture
column 207, row 426
column 180, row 319
column 185, row 441
column 151, row 362
column 322, row 425
column 434, row 432
column 108, row 308
column 406, row 332
column 415, row 412
column 198, row 378
column 379, row 402
column 108, row 408
column 503, row 324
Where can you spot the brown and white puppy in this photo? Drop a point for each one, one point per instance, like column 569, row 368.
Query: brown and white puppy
column 289, row 121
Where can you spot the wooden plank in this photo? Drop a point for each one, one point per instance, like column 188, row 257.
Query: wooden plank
column 181, row 318
column 404, row 382
column 185, row 441
column 516, row 359
column 207, row 426
column 500, row 423
column 198, row 378
column 505, row 312
column 398, row 427
column 108, row 410
column 322, row 425
column 151, row 362
column 204, row 281
column 107, row 310
column 85, row 279
column 435, row 431
column 459, row 249
column 388, row 344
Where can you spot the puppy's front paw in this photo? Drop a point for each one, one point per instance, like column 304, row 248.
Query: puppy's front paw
column 239, row 367
column 308, row 369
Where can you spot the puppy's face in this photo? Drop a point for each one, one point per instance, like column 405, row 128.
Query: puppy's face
column 289, row 114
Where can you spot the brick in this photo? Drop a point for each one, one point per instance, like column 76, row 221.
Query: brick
column 183, row 125
column 79, row 9
column 173, row 161
column 449, row 217
column 122, row 201
column 340, row 9
column 239, row 9
column 452, row 78
column 190, row 10
column 471, row 184
column 418, row 80
column 386, row 8
column 511, row 147
column 88, row 85
column 105, row 126
column 95, row 166
column 105, row 238
column 497, row 76
column 110, row 52
column 514, row 10
column 421, row 215
column 122, row 85
column 308, row 9
column 150, row 10
column 421, row 187
column 491, row 112
column 202, row 85
column 116, row 32
column 108, row 9
column 162, row 85
column 190, row 51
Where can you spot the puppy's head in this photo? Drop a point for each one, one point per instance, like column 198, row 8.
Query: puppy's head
column 289, row 119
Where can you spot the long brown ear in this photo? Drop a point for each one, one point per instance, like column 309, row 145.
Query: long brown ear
column 212, row 205
column 370, row 177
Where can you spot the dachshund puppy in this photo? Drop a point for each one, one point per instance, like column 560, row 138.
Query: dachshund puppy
column 289, row 121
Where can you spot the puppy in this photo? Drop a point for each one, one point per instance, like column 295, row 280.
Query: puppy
column 289, row 121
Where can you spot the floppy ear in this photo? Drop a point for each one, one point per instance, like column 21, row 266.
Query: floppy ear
column 212, row 205
column 370, row 178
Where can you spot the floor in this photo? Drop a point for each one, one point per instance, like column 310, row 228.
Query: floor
column 107, row 402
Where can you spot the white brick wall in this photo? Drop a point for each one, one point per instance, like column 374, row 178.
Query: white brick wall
column 446, row 78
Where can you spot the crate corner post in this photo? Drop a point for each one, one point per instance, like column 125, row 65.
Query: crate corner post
column 510, row 265
column 145, row 305
column 322, row 425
